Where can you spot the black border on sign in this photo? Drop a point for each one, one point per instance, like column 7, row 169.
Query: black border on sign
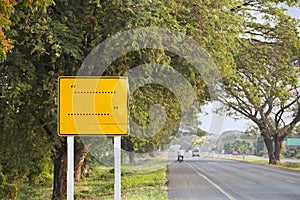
column 90, row 77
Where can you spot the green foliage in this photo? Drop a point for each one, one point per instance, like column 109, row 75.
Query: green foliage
column 7, row 190
column 241, row 146
column 297, row 155
column 297, row 131
column 24, row 147
column 140, row 105
column 201, row 21
column 201, row 133
column 54, row 43
column 7, row 10
column 228, row 148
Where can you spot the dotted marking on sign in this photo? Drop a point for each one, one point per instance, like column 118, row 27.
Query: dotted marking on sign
column 94, row 92
column 88, row 114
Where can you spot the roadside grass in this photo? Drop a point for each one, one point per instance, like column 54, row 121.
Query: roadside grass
column 135, row 185
column 285, row 165
column 147, row 193
column 145, row 181
column 259, row 160
column 30, row 192
column 291, row 165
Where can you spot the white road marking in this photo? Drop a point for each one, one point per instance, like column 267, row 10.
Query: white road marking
column 289, row 181
column 212, row 183
column 253, row 183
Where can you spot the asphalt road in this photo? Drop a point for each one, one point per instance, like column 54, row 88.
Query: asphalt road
column 218, row 179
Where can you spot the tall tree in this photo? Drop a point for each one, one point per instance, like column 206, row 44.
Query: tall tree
column 47, row 43
column 264, row 85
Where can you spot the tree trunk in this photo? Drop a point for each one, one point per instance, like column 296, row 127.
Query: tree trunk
column 153, row 153
column 278, row 147
column 269, row 145
column 80, row 155
column 132, row 157
column 127, row 145
column 60, row 173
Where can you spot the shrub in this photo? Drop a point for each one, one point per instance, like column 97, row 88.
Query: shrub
column 297, row 154
column 7, row 190
column 260, row 153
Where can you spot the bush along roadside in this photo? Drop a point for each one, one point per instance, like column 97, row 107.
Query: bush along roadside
column 7, row 190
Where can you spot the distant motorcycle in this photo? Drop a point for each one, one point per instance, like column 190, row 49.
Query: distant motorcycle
column 180, row 158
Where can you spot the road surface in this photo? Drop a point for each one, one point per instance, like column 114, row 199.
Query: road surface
column 218, row 179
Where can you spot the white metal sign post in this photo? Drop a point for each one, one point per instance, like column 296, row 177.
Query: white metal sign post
column 117, row 153
column 70, row 172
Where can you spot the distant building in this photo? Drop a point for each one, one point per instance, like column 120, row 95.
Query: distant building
column 292, row 143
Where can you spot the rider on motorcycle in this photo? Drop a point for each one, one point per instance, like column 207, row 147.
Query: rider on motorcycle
column 180, row 155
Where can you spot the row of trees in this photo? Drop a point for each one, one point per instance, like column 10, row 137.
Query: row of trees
column 41, row 40
column 240, row 146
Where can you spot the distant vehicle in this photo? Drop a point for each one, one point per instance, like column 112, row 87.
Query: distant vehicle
column 196, row 152
column 235, row 153
column 180, row 154
column 180, row 158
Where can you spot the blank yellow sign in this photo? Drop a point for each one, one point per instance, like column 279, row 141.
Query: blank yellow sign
column 93, row 105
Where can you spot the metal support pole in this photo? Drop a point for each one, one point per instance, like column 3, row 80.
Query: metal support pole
column 117, row 153
column 70, row 173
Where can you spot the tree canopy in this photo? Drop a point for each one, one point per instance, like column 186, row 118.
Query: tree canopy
column 264, row 85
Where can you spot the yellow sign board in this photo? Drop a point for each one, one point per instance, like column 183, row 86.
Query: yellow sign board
column 90, row 105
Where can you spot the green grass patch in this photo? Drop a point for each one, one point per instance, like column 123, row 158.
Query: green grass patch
column 286, row 165
column 136, row 184
column 256, row 161
column 30, row 192
column 261, row 161
column 291, row 165
column 147, row 193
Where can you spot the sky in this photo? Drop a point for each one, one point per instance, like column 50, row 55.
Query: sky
column 218, row 123
column 294, row 12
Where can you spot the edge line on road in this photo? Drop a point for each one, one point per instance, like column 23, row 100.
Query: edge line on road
column 212, row 183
